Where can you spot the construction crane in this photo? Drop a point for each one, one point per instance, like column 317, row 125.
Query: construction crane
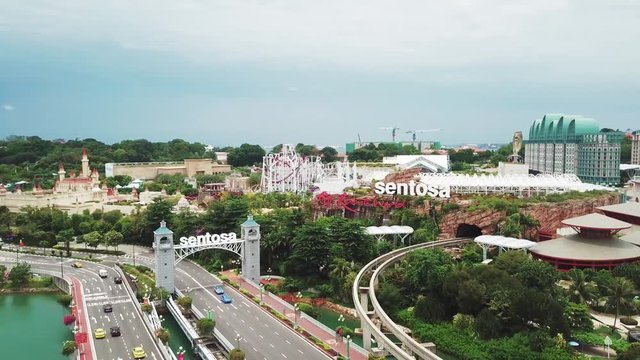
column 393, row 131
column 414, row 132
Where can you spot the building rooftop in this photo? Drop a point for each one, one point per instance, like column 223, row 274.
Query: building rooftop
column 628, row 208
column 596, row 221
column 633, row 238
column 576, row 247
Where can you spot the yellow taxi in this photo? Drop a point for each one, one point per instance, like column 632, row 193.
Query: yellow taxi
column 100, row 333
column 138, row 353
column 76, row 265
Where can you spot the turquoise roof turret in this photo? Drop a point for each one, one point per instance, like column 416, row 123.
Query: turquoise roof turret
column 250, row 221
column 163, row 229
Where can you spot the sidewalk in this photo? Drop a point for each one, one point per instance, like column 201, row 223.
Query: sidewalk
column 84, row 349
column 328, row 337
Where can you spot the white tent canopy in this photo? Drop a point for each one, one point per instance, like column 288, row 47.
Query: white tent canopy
column 502, row 242
column 379, row 232
column 515, row 184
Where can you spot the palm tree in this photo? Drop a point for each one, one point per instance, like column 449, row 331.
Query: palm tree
column 621, row 292
column 339, row 269
column 580, row 291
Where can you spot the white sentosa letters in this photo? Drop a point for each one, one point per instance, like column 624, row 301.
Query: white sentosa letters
column 207, row 239
column 412, row 188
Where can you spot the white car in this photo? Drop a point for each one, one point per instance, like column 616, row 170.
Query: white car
column 103, row 273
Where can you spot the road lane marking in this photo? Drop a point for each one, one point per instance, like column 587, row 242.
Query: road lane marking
column 287, row 341
column 284, row 356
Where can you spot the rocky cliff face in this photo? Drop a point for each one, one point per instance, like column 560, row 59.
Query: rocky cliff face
column 549, row 215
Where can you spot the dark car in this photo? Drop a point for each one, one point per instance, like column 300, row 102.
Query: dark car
column 634, row 335
column 117, row 280
column 107, row 308
column 115, row 331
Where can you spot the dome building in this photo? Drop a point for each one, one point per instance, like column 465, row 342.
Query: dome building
column 592, row 246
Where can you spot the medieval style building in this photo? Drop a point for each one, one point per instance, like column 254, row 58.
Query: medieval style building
column 85, row 181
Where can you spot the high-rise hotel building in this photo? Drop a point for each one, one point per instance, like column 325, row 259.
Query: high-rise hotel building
column 635, row 147
column 572, row 144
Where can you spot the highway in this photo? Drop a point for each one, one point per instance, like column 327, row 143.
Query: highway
column 97, row 292
column 262, row 336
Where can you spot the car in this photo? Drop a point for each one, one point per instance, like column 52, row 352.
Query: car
column 115, row 331
column 107, row 308
column 117, row 280
column 76, row 265
column 100, row 333
column 103, row 273
column 225, row 298
column 138, row 353
column 218, row 289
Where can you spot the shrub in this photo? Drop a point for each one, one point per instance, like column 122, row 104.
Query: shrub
column 628, row 321
column 308, row 309
column 185, row 302
column 205, row 326
column 271, row 288
column 236, row 354
column 292, row 285
column 163, row 335
column 632, row 353
column 346, row 331
column 69, row 319
column 324, row 290
column 146, row 308
column 65, row 299
column 68, row 347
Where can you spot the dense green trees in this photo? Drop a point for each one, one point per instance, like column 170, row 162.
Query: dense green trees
column 20, row 275
column 246, row 155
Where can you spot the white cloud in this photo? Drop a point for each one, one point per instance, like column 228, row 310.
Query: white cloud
column 8, row 107
column 553, row 36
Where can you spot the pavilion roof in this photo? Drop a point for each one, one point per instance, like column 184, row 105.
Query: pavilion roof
column 596, row 221
column 628, row 208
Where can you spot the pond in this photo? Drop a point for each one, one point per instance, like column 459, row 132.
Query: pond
column 31, row 327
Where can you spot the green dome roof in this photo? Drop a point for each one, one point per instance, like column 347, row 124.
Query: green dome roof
column 558, row 127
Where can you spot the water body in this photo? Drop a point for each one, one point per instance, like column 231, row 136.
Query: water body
column 31, row 327
column 177, row 337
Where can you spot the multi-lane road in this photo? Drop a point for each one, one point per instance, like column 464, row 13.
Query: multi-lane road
column 262, row 337
column 97, row 293
column 243, row 322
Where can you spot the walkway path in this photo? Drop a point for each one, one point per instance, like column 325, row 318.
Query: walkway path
column 322, row 334
column 85, row 349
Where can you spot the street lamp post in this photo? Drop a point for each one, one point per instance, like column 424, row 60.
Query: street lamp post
column 296, row 311
column 348, row 343
column 269, row 275
column 339, row 333
column 261, row 292
column 61, row 268
column 221, row 268
column 180, row 353
column 238, row 338
column 134, row 254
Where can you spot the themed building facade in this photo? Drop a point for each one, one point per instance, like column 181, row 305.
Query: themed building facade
column 572, row 144
column 635, row 147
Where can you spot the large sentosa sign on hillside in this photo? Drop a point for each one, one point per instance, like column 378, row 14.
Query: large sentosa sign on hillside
column 412, row 188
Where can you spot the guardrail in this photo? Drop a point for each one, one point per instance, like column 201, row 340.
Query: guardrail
column 162, row 349
column 379, row 264
column 202, row 349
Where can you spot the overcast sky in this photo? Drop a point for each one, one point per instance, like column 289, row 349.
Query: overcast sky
column 313, row 71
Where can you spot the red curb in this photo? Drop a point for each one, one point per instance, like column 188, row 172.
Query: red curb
column 85, row 348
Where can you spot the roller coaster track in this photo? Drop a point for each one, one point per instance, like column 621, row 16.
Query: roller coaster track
column 410, row 349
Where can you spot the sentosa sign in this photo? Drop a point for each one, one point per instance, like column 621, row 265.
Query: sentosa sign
column 207, row 239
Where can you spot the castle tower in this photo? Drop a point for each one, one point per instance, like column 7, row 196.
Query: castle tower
column 165, row 258
column 250, row 233
column 85, row 164
column 95, row 177
column 61, row 172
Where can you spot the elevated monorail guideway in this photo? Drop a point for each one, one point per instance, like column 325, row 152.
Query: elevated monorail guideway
column 410, row 348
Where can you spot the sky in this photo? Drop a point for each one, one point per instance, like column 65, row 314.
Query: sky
column 323, row 72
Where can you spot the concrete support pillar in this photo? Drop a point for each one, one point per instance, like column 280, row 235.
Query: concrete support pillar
column 366, row 332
